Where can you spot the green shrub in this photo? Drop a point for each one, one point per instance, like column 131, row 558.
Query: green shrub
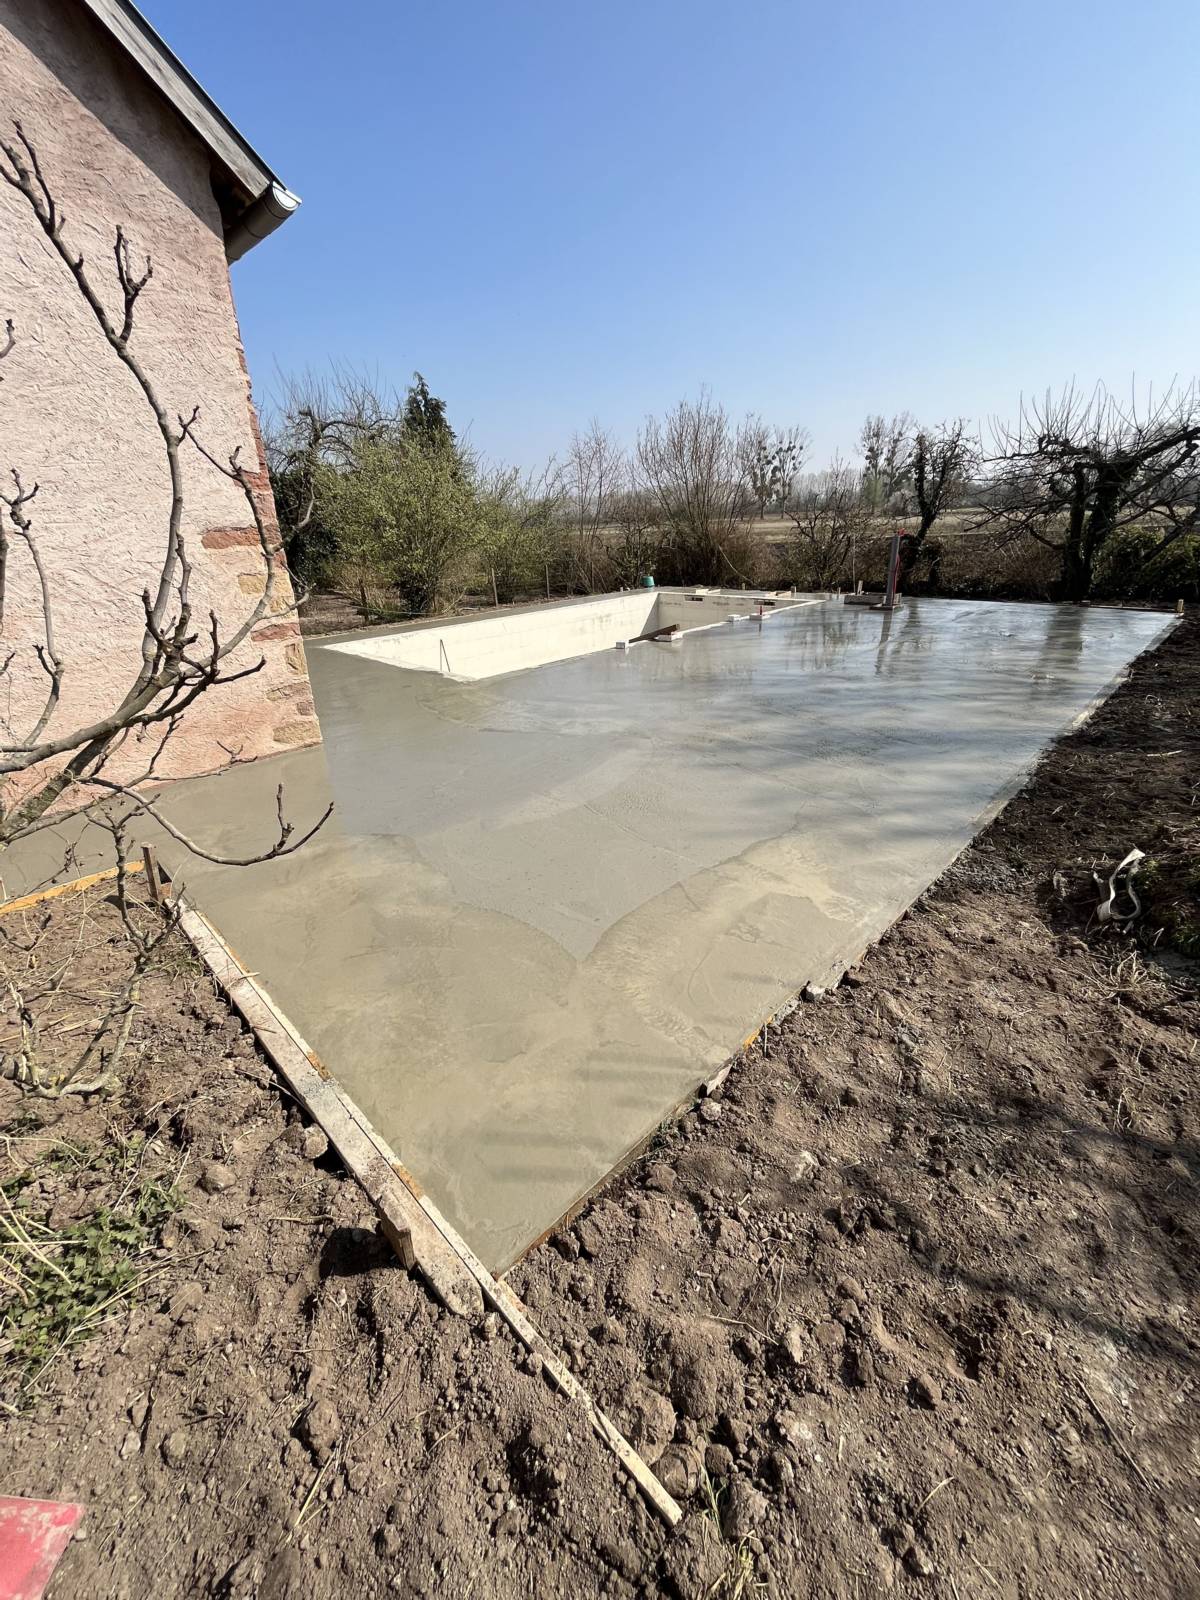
column 406, row 515
column 515, row 539
column 1128, row 570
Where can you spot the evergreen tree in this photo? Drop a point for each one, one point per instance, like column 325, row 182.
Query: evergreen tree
column 425, row 417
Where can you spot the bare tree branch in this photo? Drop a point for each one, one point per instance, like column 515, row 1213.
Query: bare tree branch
column 284, row 845
column 830, row 517
column 942, row 458
column 172, row 673
column 1075, row 470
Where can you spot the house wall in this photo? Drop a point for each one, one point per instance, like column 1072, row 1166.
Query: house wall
column 73, row 419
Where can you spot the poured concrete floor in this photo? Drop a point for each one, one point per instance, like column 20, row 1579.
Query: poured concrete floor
column 551, row 903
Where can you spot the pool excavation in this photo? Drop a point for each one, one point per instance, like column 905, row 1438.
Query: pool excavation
column 565, row 881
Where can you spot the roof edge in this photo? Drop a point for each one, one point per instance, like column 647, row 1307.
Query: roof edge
column 159, row 63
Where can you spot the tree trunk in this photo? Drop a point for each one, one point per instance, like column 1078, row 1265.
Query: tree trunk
column 1076, row 582
column 1093, row 519
column 910, row 551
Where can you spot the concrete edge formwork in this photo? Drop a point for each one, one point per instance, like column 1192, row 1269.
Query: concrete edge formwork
column 378, row 630
column 414, row 1226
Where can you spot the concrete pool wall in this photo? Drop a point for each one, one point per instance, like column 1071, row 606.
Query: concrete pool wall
column 516, row 639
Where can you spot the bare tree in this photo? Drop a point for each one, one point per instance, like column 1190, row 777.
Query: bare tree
column 757, row 462
column 692, row 463
column 315, row 426
column 829, row 518
column 181, row 657
column 595, row 475
column 942, row 461
column 1075, row 470
column 887, row 449
column 770, row 461
column 637, row 520
column 790, row 448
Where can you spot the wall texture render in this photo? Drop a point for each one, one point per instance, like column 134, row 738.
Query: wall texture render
column 73, row 420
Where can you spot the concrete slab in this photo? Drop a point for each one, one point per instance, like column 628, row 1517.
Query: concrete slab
column 552, row 902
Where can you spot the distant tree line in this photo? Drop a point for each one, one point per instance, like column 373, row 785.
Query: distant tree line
column 1082, row 495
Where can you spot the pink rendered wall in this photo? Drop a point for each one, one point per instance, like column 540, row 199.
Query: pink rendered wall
column 72, row 418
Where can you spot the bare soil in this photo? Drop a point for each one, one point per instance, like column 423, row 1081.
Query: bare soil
column 328, row 611
column 908, row 1306
column 276, row 1409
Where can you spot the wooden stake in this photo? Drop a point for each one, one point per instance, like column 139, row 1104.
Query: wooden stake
column 153, row 881
column 495, row 596
column 655, row 633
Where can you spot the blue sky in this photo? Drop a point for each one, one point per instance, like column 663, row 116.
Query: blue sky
column 558, row 210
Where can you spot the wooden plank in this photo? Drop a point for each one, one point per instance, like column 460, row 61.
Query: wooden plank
column 415, row 1239
column 75, row 887
column 506, row 1303
column 656, row 633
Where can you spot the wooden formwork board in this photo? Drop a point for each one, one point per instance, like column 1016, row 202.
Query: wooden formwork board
column 421, row 1235
column 76, row 886
column 363, row 1151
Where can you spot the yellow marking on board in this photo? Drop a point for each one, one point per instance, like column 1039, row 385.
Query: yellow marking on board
column 76, row 887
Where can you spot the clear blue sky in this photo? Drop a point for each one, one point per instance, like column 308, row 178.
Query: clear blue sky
column 556, row 210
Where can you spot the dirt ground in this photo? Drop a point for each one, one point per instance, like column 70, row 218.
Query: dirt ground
column 907, row 1307
column 273, row 1408
column 330, row 611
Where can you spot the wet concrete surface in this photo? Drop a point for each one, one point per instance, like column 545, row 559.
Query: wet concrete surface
column 551, row 903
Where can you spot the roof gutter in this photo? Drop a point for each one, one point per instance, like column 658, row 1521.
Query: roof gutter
column 270, row 211
column 266, row 202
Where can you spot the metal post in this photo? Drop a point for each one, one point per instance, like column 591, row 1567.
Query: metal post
column 889, row 599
